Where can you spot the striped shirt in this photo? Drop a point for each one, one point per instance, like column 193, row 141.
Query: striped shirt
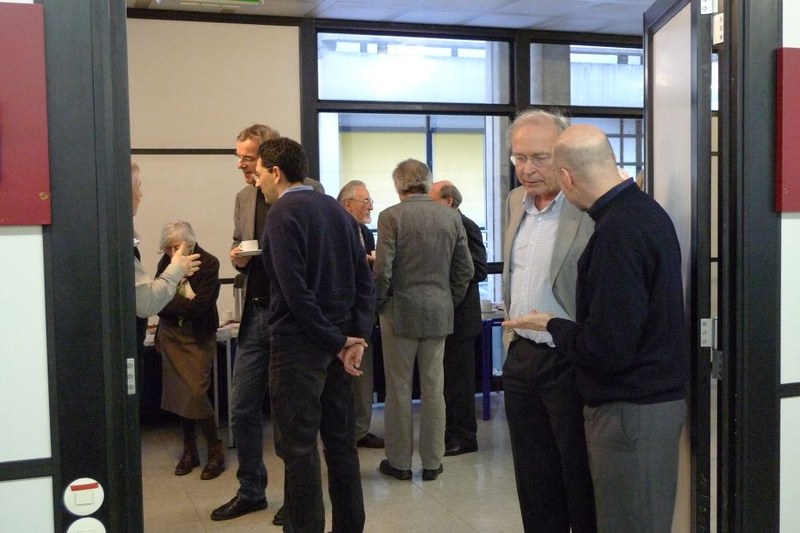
column 531, row 286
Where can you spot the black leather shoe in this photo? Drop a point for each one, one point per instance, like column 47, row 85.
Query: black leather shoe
column 386, row 468
column 236, row 508
column 458, row 447
column 370, row 441
column 277, row 520
column 430, row 475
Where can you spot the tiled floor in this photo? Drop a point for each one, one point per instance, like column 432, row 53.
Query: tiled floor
column 476, row 492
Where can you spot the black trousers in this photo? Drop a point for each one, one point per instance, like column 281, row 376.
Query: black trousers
column 545, row 424
column 311, row 395
column 459, row 389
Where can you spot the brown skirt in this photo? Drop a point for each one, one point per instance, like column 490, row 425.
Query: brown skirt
column 186, row 364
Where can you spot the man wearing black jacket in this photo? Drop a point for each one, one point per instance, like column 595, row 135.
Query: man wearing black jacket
column 460, row 435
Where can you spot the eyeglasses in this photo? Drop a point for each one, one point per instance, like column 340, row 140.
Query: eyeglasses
column 245, row 158
column 538, row 160
column 365, row 201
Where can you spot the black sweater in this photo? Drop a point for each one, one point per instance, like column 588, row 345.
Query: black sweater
column 629, row 342
column 321, row 283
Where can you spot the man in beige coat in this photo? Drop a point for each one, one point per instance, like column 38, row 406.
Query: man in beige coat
column 544, row 237
column 422, row 270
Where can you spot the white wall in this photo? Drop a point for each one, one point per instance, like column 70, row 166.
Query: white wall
column 196, row 85
column 790, row 332
column 24, row 397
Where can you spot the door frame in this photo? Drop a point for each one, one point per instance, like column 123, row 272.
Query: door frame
column 698, row 292
column 88, row 258
column 750, row 271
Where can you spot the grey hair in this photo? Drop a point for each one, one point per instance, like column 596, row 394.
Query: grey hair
column 178, row 229
column 348, row 192
column 412, row 177
column 537, row 115
column 448, row 190
column 257, row 132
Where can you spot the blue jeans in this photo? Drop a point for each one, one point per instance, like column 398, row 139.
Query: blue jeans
column 311, row 394
column 247, row 402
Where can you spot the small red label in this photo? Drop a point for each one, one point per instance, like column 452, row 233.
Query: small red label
column 85, row 486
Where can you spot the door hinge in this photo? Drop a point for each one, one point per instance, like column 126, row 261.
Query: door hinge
column 708, row 7
column 707, row 332
column 716, row 364
column 709, row 338
column 718, row 29
column 131, row 371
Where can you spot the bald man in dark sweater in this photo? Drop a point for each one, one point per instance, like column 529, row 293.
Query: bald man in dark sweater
column 629, row 342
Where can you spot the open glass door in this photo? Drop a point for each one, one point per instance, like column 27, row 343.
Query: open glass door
column 677, row 43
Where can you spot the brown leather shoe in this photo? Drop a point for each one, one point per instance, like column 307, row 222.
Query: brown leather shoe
column 216, row 461
column 370, row 441
column 459, row 447
column 387, row 469
column 277, row 520
column 189, row 459
column 430, row 474
column 236, row 508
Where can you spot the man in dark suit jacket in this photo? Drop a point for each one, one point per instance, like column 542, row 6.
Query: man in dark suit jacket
column 460, row 434
column 252, row 353
column 355, row 199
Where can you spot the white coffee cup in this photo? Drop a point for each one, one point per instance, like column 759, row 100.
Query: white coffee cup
column 487, row 306
column 249, row 246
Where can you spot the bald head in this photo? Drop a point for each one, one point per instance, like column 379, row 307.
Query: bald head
column 445, row 193
column 586, row 165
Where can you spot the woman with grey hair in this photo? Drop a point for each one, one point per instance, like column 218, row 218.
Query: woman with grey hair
column 187, row 340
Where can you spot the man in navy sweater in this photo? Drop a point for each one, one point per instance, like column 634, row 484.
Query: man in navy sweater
column 322, row 307
column 628, row 343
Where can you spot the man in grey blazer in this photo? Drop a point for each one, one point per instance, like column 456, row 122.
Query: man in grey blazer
column 422, row 270
column 544, row 236
column 252, row 353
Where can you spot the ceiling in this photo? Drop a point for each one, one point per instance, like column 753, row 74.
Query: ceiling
column 623, row 17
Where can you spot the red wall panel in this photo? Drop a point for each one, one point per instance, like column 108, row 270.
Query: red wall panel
column 787, row 163
column 24, row 160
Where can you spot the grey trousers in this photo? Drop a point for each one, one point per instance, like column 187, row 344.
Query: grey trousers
column 399, row 354
column 363, row 388
column 633, row 457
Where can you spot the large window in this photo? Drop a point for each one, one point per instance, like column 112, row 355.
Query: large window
column 574, row 75
column 460, row 149
column 412, row 69
column 445, row 101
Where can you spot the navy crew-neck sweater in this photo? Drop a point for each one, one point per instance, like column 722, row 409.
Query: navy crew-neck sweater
column 629, row 339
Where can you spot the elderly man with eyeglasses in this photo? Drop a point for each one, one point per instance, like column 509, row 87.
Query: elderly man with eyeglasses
column 544, row 237
column 355, row 199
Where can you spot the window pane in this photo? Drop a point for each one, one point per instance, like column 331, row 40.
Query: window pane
column 466, row 150
column 586, row 75
column 412, row 69
column 626, row 138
